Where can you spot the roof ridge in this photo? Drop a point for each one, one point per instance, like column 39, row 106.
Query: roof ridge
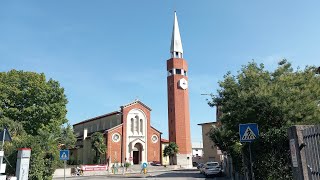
column 135, row 102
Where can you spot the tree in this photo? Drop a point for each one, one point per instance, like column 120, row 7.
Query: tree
column 171, row 150
column 275, row 101
column 98, row 145
column 67, row 139
column 34, row 110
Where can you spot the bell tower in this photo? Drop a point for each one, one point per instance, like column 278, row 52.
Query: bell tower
column 178, row 99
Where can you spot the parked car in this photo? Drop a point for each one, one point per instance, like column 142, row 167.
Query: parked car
column 199, row 165
column 212, row 168
column 155, row 163
column 201, row 168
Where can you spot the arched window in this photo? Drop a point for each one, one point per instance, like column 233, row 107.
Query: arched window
column 132, row 124
column 137, row 124
column 141, row 126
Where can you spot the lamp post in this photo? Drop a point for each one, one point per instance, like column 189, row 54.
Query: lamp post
column 211, row 95
column 218, row 108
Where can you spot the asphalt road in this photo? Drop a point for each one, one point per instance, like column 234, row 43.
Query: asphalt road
column 176, row 175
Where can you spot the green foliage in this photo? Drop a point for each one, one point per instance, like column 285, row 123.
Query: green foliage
column 34, row 111
column 275, row 101
column 67, row 139
column 171, row 150
column 98, row 145
column 127, row 164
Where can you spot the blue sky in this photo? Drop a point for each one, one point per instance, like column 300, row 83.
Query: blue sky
column 108, row 53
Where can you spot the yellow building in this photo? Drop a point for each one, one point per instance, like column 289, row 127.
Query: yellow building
column 164, row 159
column 210, row 151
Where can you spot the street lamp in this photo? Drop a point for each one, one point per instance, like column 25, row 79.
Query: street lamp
column 214, row 104
column 207, row 95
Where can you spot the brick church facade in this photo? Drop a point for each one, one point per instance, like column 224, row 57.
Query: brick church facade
column 128, row 134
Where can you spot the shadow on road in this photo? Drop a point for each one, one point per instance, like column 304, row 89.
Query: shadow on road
column 175, row 174
column 190, row 174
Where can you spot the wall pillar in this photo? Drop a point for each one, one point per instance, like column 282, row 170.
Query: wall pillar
column 298, row 158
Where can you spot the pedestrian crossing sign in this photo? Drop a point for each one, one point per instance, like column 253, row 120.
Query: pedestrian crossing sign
column 64, row 154
column 248, row 132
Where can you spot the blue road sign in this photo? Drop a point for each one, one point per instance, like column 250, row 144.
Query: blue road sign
column 144, row 165
column 248, row 132
column 64, row 154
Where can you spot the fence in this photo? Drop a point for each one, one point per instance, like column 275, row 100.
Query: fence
column 311, row 143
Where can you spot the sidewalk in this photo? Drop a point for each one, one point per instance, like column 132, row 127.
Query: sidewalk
column 137, row 172
column 133, row 172
column 150, row 172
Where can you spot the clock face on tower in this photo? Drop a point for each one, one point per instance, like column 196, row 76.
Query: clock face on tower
column 183, row 83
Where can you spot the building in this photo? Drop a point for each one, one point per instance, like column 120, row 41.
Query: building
column 197, row 152
column 210, row 151
column 164, row 159
column 128, row 134
column 178, row 100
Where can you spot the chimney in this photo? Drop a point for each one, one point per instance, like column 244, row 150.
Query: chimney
column 85, row 133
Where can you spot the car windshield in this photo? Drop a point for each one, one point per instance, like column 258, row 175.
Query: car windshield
column 213, row 164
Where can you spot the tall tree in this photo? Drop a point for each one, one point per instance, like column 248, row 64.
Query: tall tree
column 171, row 150
column 67, row 139
column 98, row 145
column 34, row 110
column 275, row 100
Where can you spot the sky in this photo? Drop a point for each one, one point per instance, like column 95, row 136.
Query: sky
column 108, row 53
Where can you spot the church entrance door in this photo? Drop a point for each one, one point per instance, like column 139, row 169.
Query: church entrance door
column 135, row 157
column 137, row 153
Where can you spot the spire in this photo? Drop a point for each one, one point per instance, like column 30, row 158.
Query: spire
column 176, row 44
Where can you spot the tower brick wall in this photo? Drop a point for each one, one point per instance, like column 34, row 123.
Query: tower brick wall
column 178, row 108
column 177, row 63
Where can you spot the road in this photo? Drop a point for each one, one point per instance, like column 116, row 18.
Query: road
column 176, row 175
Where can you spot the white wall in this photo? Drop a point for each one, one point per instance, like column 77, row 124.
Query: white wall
column 196, row 151
column 136, row 132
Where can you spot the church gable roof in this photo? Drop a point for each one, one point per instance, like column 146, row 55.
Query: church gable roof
column 156, row 130
column 136, row 102
column 98, row 117
column 113, row 128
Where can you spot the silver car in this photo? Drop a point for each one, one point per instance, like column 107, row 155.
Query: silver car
column 212, row 168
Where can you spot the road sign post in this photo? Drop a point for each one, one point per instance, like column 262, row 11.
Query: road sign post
column 251, row 165
column 64, row 170
column 64, row 155
column 144, row 167
column 249, row 133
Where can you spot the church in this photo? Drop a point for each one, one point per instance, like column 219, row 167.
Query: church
column 128, row 133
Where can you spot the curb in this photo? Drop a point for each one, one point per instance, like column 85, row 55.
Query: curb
column 130, row 175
